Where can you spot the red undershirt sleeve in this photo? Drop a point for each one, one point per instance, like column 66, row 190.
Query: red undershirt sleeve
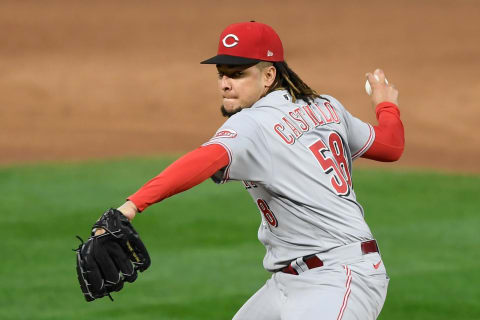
column 185, row 173
column 389, row 134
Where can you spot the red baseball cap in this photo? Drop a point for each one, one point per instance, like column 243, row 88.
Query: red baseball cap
column 246, row 43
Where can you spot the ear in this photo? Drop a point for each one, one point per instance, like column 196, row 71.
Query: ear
column 269, row 74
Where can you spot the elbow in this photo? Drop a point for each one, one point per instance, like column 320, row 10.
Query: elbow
column 384, row 153
column 398, row 149
column 395, row 148
column 395, row 155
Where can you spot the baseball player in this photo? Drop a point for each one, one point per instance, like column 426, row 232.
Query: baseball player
column 293, row 151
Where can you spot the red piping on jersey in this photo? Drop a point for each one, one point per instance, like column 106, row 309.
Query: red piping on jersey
column 226, row 172
column 366, row 145
column 389, row 134
column 347, row 292
column 185, row 173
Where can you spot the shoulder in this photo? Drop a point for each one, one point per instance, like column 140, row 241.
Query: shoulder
column 241, row 124
column 244, row 117
column 273, row 99
column 330, row 99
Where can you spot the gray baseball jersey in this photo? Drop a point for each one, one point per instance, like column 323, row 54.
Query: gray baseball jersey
column 295, row 159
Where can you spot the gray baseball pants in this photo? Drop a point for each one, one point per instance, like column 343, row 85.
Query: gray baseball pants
column 350, row 285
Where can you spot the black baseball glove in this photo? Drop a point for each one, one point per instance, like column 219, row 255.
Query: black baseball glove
column 106, row 261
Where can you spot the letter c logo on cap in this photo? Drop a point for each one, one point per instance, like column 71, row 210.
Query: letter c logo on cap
column 229, row 45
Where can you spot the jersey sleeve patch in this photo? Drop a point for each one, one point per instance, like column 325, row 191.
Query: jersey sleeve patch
column 225, row 133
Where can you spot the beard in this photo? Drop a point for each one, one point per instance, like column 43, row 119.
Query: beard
column 228, row 114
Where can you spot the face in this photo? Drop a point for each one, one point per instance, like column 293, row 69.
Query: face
column 241, row 86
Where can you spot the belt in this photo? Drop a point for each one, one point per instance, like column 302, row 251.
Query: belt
column 312, row 261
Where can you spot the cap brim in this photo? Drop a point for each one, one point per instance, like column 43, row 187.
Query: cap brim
column 231, row 60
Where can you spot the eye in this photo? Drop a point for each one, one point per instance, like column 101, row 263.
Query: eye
column 237, row 74
column 231, row 75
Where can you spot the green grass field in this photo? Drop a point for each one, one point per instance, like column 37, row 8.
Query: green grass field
column 206, row 259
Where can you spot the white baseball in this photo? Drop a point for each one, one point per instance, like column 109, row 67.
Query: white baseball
column 368, row 88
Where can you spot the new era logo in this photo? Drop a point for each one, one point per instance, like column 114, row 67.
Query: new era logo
column 269, row 53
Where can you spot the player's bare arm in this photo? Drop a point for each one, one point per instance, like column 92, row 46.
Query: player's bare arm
column 128, row 209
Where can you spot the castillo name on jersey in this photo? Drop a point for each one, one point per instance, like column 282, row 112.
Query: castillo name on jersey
column 302, row 119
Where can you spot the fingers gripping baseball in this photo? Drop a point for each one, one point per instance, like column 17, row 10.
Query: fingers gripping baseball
column 381, row 89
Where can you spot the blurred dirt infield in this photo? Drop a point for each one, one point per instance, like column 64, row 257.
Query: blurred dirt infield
column 82, row 79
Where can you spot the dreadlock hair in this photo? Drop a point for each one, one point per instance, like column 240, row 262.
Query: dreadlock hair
column 287, row 79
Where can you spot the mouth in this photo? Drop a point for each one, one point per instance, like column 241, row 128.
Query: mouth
column 230, row 103
column 230, row 100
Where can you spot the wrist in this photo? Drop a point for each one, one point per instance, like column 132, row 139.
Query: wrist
column 128, row 209
column 387, row 106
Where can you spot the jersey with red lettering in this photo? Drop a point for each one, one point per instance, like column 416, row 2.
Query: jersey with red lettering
column 295, row 159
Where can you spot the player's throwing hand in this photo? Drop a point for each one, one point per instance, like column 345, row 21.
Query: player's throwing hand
column 382, row 91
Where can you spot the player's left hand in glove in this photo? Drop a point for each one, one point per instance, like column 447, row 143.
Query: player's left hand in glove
column 109, row 259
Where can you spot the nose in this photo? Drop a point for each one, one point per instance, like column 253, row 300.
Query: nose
column 225, row 83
